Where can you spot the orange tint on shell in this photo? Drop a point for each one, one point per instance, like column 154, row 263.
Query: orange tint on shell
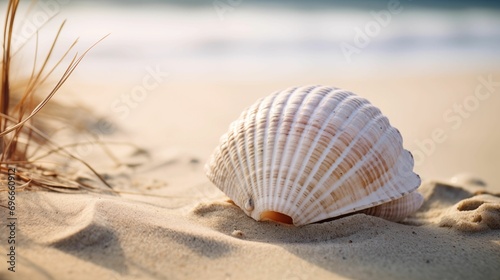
column 276, row 217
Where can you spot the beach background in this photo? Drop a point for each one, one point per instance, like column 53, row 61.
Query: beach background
column 172, row 75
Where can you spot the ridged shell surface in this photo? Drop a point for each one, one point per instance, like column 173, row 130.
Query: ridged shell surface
column 313, row 153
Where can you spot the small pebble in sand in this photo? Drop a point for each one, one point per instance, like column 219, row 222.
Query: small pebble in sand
column 237, row 233
column 249, row 205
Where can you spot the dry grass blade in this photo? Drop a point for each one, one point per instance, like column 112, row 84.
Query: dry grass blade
column 74, row 63
column 59, row 149
column 16, row 129
column 7, row 43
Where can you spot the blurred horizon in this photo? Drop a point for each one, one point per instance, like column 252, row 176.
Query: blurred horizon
column 321, row 4
column 241, row 38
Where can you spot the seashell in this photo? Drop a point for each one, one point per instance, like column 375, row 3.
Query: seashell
column 312, row 153
column 397, row 210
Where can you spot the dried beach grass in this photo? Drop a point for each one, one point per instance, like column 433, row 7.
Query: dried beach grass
column 24, row 144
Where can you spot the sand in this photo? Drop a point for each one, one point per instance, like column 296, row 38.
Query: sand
column 66, row 236
column 177, row 225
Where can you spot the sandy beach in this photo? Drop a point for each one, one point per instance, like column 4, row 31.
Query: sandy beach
column 177, row 225
column 149, row 126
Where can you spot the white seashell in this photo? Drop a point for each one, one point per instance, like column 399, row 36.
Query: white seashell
column 397, row 210
column 312, row 153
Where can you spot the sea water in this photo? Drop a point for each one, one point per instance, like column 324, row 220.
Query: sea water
column 248, row 39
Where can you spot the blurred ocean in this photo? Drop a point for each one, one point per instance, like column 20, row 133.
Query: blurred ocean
column 364, row 4
column 272, row 38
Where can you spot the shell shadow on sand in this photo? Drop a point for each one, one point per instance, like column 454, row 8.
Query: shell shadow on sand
column 359, row 239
